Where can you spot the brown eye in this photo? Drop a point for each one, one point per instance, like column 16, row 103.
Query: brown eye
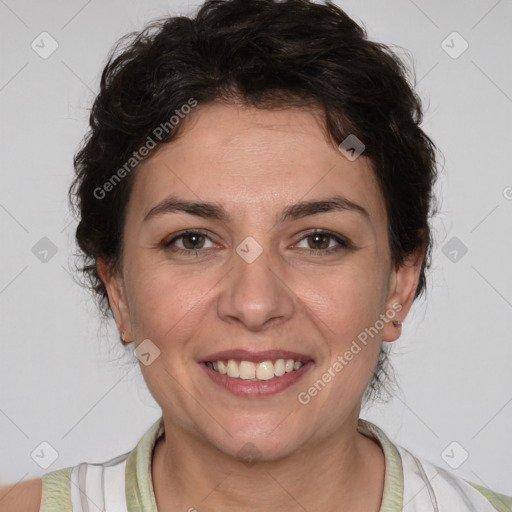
column 188, row 242
column 320, row 242
column 193, row 240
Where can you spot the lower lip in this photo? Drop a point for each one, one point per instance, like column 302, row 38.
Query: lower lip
column 259, row 388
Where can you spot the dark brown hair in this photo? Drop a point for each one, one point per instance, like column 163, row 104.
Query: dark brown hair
column 267, row 54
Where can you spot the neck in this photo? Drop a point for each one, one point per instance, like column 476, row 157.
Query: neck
column 345, row 468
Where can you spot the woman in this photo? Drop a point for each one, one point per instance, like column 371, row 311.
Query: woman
column 254, row 198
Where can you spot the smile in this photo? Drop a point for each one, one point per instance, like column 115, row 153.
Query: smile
column 249, row 370
column 251, row 373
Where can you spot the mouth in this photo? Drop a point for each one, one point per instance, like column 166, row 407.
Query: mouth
column 256, row 374
column 247, row 370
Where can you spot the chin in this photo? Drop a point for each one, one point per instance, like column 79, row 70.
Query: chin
column 251, row 442
column 250, row 451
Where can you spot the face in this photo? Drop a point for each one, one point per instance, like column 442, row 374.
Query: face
column 287, row 259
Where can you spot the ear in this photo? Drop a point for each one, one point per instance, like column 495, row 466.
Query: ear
column 117, row 298
column 403, row 282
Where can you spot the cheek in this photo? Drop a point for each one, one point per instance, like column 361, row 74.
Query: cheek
column 167, row 303
column 170, row 310
column 347, row 298
column 348, row 304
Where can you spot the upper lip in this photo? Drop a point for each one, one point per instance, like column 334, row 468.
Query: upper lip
column 255, row 356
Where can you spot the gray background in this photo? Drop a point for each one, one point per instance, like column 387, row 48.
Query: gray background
column 65, row 381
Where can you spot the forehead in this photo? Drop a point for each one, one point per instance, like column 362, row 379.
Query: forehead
column 244, row 156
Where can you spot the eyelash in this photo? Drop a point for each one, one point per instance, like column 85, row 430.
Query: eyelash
column 343, row 244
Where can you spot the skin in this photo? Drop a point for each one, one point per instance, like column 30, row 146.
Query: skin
column 22, row 496
column 254, row 163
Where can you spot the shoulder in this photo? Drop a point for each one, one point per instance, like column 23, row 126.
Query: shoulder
column 56, row 491
column 426, row 484
column 86, row 486
column 50, row 493
column 21, row 497
column 414, row 484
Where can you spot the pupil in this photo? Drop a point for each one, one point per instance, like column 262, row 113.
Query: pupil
column 316, row 238
column 191, row 236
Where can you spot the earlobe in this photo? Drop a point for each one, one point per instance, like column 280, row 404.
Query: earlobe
column 117, row 299
column 404, row 282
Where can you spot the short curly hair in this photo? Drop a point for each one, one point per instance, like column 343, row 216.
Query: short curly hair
column 266, row 54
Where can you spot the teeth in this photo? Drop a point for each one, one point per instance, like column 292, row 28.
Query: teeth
column 247, row 370
column 279, row 368
column 265, row 370
column 233, row 369
column 222, row 368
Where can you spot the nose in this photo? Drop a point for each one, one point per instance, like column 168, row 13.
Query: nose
column 255, row 294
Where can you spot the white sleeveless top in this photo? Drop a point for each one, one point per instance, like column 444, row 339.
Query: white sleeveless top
column 124, row 484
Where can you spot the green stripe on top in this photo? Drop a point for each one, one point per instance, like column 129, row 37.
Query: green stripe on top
column 499, row 501
column 56, row 496
column 139, row 485
column 392, row 497
column 140, row 495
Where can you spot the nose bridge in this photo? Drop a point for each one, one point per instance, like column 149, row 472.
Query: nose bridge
column 254, row 293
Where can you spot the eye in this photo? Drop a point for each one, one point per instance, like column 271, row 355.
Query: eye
column 322, row 240
column 191, row 242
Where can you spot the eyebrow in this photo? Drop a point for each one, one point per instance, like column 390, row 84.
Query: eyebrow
column 209, row 210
